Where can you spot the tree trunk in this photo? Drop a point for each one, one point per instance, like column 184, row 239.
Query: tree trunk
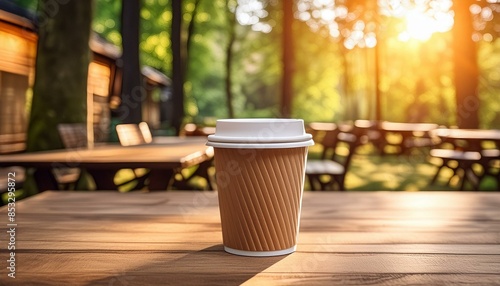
column 378, row 95
column 133, row 92
column 466, row 68
column 190, row 31
column 288, row 59
column 63, row 56
column 178, row 56
column 229, row 58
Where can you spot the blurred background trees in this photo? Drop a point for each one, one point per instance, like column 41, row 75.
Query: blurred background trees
column 352, row 58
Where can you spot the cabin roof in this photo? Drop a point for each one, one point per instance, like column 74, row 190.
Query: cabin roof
column 25, row 18
column 11, row 13
column 156, row 76
column 101, row 46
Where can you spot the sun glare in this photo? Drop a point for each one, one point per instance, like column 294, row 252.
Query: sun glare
column 418, row 26
column 422, row 25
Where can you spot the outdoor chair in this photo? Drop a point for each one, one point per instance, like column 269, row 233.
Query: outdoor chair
column 131, row 135
column 330, row 171
column 183, row 180
column 134, row 134
column 368, row 132
column 137, row 134
column 421, row 140
column 191, row 129
column 73, row 136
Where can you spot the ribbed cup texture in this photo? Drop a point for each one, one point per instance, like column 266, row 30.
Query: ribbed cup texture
column 260, row 192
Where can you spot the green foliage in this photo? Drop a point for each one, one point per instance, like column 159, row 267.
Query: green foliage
column 156, row 18
column 28, row 4
column 489, row 84
column 205, row 71
column 256, row 72
column 107, row 20
column 331, row 83
column 316, row 82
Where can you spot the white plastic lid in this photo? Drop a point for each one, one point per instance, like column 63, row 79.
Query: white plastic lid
column 260, row 133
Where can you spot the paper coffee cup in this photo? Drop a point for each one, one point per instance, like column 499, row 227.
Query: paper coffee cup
column 260, row 169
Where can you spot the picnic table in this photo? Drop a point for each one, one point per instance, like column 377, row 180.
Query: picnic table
column 473, row 138
column 468, row 149
column 348, row 238
column 412, row 134
column 162, row 157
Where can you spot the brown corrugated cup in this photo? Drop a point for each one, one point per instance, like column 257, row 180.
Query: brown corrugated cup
column 260, row 166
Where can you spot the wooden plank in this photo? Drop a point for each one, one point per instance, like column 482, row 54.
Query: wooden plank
column 7, row 138
column 204, row 260
column 333, row 200
column 121, row 277
column 214, row 261
column 6, row 148
column 172, row 220
column 369, row 279
column 34, row 245
column 215, row 237
column 316, row 205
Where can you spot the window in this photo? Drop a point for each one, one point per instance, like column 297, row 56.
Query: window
column 13, row 89
column 98, row 79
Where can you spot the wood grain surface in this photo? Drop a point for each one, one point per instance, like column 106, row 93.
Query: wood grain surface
column 174, row 238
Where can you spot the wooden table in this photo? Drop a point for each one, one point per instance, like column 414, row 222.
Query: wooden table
column 402, row 127
column 162, row 157
column 161, row 238
column 412, row 134
column 473, row 137
column 469, row 150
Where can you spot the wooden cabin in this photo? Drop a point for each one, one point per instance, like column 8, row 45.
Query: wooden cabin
column 17, row 67
column 17, row 61
column 102, row 84
column 158, row 98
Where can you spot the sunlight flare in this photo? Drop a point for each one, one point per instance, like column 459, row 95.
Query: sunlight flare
column 421, row 24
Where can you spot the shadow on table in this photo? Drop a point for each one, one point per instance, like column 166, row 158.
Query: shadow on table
column 209, row 266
